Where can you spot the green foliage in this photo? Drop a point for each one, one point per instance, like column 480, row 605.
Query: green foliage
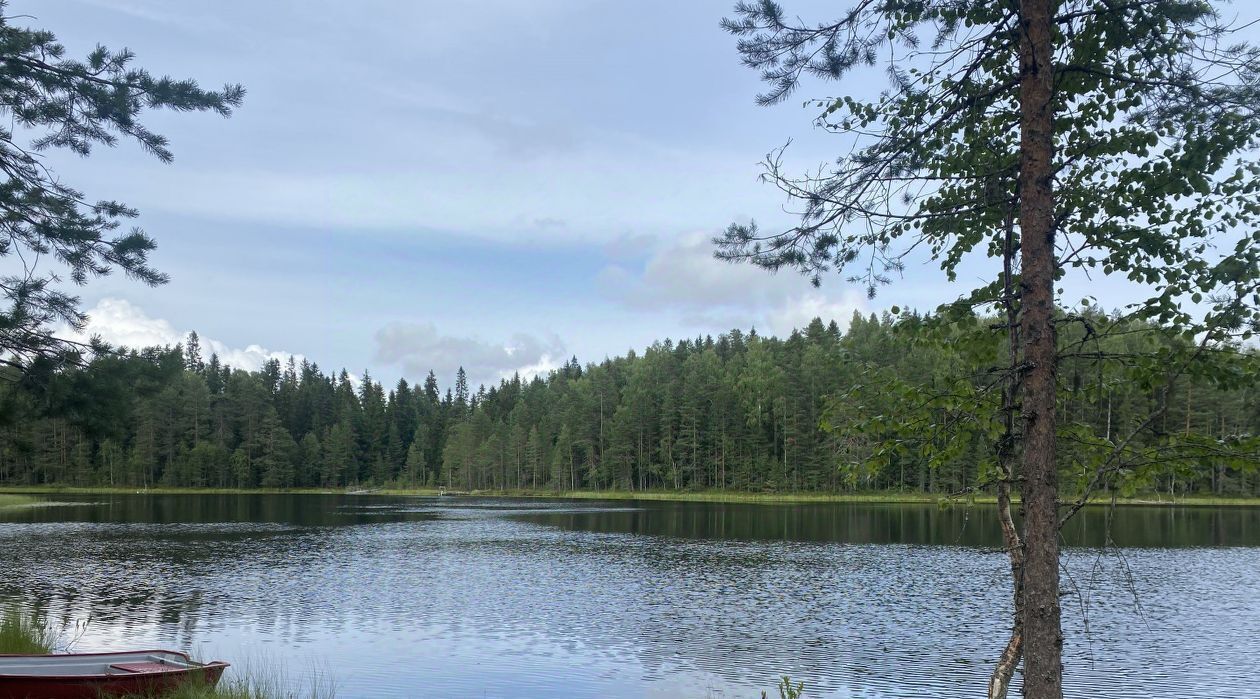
column 52, row 101
column 1124, row 427
column 1155, row 120
column 905, row 404
column 787, row 690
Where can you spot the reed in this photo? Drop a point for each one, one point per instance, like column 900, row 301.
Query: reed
column 248, row 687
column 23, row 633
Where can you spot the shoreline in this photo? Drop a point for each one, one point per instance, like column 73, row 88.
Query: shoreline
column 745, row 497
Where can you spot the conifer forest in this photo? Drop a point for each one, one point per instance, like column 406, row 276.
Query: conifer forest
column 737, row 412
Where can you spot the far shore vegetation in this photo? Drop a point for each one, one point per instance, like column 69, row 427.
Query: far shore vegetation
column 16, row 496
column 740, row 412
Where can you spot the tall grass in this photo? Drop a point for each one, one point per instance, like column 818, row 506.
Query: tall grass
column 262, row 677
column 22, row 633
column 250, row 687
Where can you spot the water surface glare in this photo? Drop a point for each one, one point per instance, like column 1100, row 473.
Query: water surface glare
column 462, row 597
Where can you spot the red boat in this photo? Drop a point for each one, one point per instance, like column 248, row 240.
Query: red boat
column 147, row 673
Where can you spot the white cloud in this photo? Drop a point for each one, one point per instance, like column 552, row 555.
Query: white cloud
column 685, row 277
column 798, row 311
column 121, row 323
column 418, row 348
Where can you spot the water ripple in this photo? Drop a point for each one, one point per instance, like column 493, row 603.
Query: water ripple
column 524, row 599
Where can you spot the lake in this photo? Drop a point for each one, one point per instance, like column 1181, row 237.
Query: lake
column 468, row 597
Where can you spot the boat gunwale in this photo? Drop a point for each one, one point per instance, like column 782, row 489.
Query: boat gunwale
column 196, row 666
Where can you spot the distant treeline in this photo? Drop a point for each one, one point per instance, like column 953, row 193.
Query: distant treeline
column 740, row 411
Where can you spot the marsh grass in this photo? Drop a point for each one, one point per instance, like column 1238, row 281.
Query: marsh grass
column 23, row 633
column 20, row 495
column 250, row 686
column 261, row 677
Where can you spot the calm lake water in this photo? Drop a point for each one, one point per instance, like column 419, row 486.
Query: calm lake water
column 455, row 597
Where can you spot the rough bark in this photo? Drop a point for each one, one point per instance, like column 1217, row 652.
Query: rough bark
column 1043, row 637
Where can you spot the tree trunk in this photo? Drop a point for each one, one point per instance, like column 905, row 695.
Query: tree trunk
column 1043, row 636
column 1000, row 680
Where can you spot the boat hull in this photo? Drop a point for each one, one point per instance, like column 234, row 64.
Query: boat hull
column 148, row 679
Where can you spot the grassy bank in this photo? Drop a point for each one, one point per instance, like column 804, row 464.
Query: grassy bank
column 21, row 495
column 243, row 688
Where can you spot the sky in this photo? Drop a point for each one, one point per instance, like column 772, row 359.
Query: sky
column 423, row 185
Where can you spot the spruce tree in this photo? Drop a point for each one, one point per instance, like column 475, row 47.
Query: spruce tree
column 192, row 353
column 461, row 404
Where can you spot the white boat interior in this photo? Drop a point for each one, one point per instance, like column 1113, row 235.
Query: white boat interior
column 93, row 664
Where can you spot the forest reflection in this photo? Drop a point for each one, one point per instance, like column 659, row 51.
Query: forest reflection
column 951, row 525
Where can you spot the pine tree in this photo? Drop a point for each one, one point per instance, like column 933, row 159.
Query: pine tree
column 75, row 105
column 1008, row 129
